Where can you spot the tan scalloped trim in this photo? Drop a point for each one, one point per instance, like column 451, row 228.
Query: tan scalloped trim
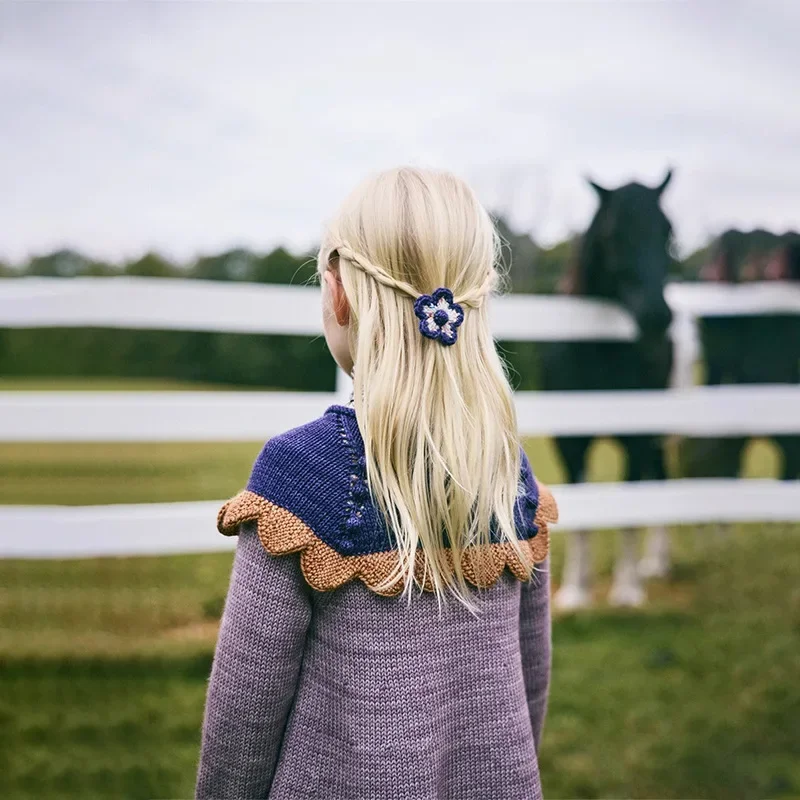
column 281, row 532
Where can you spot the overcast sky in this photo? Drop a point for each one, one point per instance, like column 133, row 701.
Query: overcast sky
column 191, row 128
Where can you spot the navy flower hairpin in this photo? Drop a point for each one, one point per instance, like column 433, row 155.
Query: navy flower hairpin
column 439, row 316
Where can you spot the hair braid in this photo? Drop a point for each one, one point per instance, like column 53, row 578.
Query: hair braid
column 472, row 297
column 375, row 272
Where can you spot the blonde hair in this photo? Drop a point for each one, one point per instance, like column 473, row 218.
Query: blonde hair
column 438, row 423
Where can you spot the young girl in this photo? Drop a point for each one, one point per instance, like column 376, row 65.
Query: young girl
column 386, row 632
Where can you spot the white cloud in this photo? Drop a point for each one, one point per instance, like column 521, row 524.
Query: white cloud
column 193, row 127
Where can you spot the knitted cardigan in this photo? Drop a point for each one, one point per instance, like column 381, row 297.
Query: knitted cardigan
column 325, row 685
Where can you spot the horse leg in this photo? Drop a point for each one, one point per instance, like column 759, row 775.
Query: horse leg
column 626, row 588
column 576, row 585
column 656, row 561
column 575, row 591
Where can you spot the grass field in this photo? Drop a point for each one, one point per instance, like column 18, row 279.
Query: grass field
column 103, row 662
column 109, row 385
column 103, row 667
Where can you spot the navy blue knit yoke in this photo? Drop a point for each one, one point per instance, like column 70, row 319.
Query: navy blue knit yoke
column 318, row 473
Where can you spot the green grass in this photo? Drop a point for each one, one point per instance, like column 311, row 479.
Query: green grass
column 129, row 472
column 103, row 666
column 103, row 662
column 35, row 384
column 695, row 697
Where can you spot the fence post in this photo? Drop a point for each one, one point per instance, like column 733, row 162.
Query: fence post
column 686, row 349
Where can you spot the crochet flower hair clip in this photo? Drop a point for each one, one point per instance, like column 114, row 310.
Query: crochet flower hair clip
column 439, row 316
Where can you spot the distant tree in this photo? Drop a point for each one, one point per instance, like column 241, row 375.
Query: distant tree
column 689, row 268
column 233, row 265
column 552, row 264
column 7, row 271
column 102, row 269
column 281, row 266
column 519, row 256
column 60, row 264
column 533, row 269
column 151, row 265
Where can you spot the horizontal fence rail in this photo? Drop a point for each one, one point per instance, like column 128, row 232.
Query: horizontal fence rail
column 734, row 300
column 183, row 304
column 175, row 304
column 252, row 416
column 163, row 528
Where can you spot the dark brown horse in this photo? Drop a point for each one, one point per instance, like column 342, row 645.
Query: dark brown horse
column 624, row 257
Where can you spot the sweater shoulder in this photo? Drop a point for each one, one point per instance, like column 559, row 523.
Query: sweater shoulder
column 309, row 494
column 302, row 462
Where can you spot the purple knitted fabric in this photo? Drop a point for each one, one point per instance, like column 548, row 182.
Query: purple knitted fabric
column 349, row 694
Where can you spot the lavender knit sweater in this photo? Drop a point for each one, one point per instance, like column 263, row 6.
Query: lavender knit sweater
column 323, row 688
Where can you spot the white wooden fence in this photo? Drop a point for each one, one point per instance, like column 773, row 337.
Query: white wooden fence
column 246, row 308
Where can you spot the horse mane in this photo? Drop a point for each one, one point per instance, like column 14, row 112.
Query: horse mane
column 573, row 282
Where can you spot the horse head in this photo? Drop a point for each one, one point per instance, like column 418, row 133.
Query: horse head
column 625, row 254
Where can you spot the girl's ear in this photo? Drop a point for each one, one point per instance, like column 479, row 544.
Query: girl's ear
column 341, row 308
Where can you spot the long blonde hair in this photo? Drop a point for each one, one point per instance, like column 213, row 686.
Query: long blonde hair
column 438, row 423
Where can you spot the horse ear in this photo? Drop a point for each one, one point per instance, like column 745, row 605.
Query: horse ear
column 663, row 185
column 602, row 192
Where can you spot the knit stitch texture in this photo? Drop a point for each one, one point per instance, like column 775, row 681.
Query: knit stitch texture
column 350, row 694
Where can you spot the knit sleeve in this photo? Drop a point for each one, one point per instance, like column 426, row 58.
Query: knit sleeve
column 535, row 644
column 254, row 674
